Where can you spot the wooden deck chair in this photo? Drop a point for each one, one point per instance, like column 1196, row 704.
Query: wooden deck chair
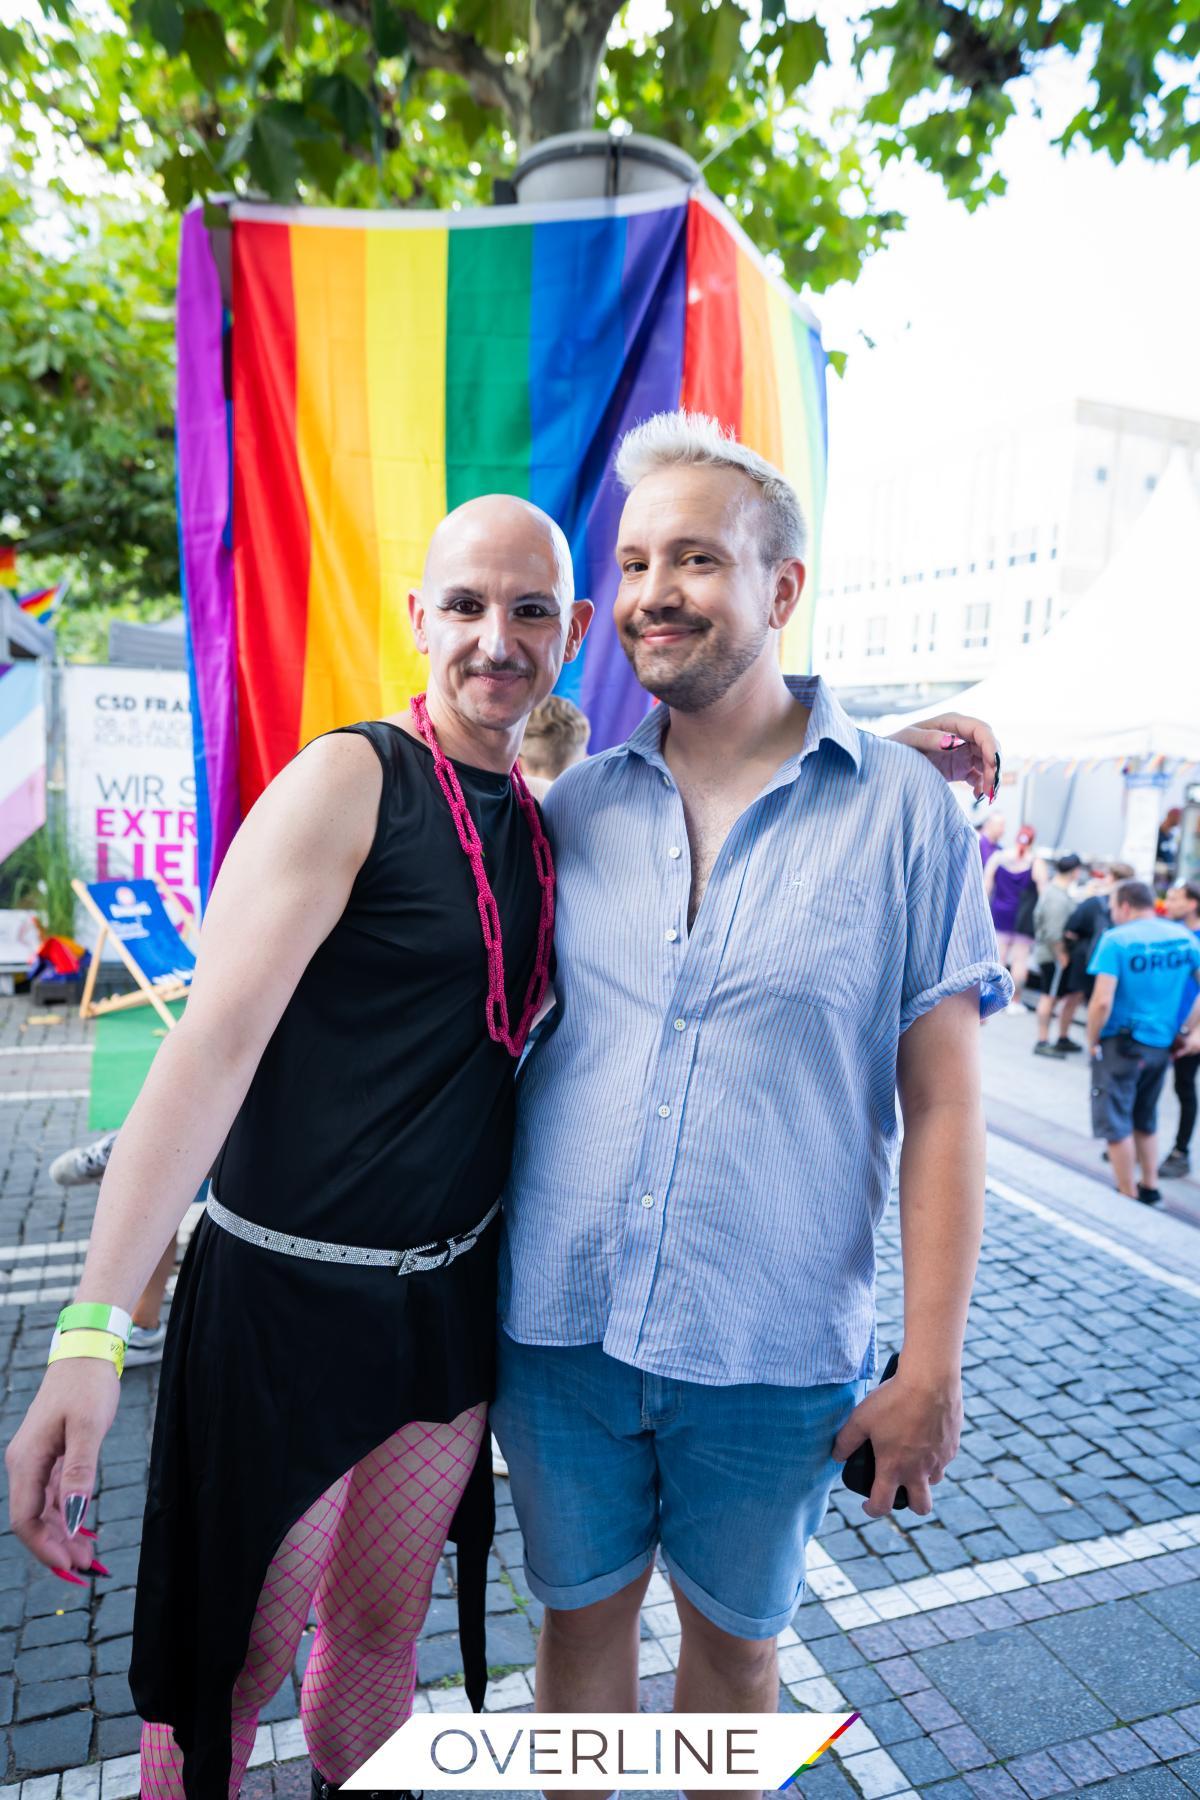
column 134, row 915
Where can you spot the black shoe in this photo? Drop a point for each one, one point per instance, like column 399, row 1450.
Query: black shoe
column 1148, row 1196
column 324, row 1790
column 1048, row 1050
column 1069, row 1047
column 1175, row 1165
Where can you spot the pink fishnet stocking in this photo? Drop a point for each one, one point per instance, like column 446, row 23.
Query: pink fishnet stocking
column 363, row 1557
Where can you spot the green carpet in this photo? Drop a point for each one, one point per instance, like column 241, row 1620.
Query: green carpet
column 124, row 1049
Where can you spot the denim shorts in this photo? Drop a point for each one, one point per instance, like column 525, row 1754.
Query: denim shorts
column 1127, row 1080
column 606, row 1463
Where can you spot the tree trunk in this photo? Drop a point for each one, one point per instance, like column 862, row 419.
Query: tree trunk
column 567, row 39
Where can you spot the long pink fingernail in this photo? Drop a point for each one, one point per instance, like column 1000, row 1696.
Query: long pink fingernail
column 64, row 1576
column 97, row 1568
column 949, row 742
column 84, row 1532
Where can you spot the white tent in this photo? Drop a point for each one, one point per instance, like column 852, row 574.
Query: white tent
column 1120, row 674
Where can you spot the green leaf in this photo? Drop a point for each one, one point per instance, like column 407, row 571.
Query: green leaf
column 346, row 105
column 163, row 19
column 804, row 50
column 205, row 47
column 388, row 29
column 272, row 156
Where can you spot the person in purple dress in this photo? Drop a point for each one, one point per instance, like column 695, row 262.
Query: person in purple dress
column 1012, row 881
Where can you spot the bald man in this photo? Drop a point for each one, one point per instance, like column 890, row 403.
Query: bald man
column 319, row 1419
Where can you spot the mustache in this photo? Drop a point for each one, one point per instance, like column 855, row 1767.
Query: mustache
column 679, row 620
column 504, row 668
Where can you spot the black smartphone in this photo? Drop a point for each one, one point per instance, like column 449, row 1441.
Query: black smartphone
column 858, row 1473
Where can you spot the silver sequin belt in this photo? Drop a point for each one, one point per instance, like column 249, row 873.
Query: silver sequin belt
column 438, row 1255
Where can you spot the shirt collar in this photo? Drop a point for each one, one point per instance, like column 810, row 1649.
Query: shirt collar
column 828, row 723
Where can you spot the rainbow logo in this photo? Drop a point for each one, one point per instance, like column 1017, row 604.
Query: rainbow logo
column 820, row 1751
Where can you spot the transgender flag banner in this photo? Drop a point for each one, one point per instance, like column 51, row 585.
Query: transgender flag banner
column 22, row 753
column 378, row 369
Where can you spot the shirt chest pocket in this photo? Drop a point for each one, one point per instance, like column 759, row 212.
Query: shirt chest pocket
column 829, row 933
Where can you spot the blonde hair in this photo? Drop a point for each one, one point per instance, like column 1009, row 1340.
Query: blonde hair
column 690, row 440
column 555, row 737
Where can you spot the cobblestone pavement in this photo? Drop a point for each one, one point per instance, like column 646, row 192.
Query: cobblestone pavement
column 1039, row 1635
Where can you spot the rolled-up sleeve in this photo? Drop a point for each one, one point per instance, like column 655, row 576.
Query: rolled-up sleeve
column 951, row 939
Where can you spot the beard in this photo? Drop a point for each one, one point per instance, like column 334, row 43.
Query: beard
column 713, row 663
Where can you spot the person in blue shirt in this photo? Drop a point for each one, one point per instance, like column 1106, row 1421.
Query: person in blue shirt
column 1183, row 907
column 1144, row 1000
column 770, row 924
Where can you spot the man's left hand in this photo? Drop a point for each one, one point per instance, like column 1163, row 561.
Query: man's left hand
column 1188, row 1043
column 960, row 748
column 914, row 1429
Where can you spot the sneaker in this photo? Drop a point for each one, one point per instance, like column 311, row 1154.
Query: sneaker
column 1048, row 1050
column 1148, row 1196
column 1069, row 1047
column 1175, row 1165
column 76, row 1168
column 145, row 1345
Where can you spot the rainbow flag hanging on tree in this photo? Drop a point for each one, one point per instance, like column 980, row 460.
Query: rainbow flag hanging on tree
column 387, row 367
column 44, row 603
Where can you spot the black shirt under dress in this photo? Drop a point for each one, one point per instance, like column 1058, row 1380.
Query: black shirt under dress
column 380, row 1115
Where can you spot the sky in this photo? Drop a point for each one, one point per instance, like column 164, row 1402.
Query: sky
column 1080, row 281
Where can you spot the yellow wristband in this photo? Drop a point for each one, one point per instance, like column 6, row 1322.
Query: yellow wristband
column 102, row 1344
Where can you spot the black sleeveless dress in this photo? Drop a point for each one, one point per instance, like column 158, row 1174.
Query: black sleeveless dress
column 380, row 1115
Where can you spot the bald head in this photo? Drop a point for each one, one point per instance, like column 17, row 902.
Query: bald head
column 500, row 527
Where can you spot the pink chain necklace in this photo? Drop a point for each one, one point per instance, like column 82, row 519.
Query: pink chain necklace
column 489, row 916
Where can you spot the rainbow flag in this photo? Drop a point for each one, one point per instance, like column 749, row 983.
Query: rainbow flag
column 388, row 366
column 8, row 566
column 42, row 604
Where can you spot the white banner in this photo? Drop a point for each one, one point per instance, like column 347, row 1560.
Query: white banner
column 131, row 787
column 468, row 1751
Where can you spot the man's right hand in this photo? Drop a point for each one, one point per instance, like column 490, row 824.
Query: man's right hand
column 54, row 1454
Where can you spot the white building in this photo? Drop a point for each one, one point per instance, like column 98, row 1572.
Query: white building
column 938, row 563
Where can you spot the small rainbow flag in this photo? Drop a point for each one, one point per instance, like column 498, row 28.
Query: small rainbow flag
column 388, row 366
column 42, row 604
column 8, row 566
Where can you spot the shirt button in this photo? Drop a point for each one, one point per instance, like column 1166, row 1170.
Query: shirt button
column 670, row 934
column 664, row 1112
column 674, row 851
column 681, row 1024
column 666, row 781
column 647, row 1201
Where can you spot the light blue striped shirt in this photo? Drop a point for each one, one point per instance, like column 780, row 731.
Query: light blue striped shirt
column 705, row 1135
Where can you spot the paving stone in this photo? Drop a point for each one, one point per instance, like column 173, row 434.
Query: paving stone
column 1149, row 1784
column 114, row 1616
column 1126, row 1658
column 119, row 1737
column 42, row 1699
column 1039, row 1776
column 1178, row 1608
column 52, row 1630
column 960, row 1746
column 1165, row 1737
column 863, row 1688
column 54, row 1662
column 1082, row 1761
column 509, row 1640
column 1124, row 1749
column 921, row 1761
column 892, row 1723
column 436, row 1658
column 1010, row 1689
column 51, row 1744
column 993, row 1784
column 112, row 1656
column 902, row 1674
column 112, row 1696
column 932, row 1710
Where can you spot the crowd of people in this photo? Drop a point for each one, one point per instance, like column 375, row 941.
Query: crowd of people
column 1091, row 936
